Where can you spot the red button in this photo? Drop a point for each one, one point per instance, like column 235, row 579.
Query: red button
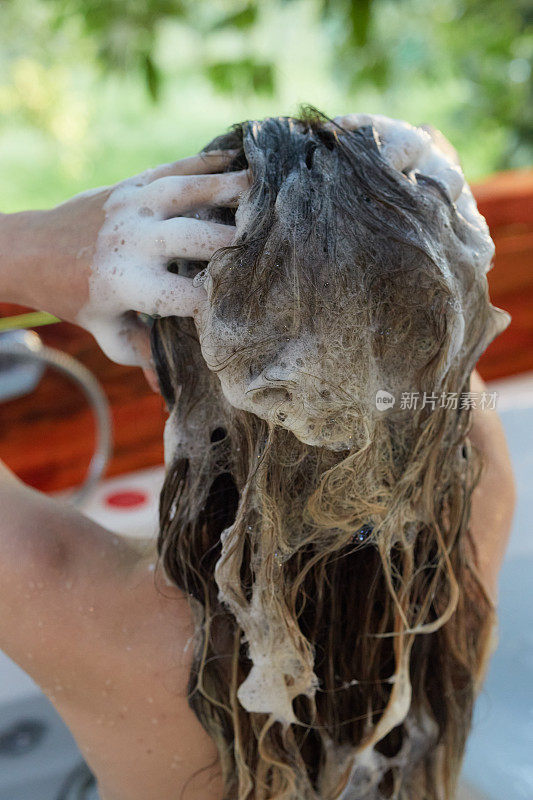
column 127, row 498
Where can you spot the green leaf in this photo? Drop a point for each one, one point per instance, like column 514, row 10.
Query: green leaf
column 241, row 19
column 152, row 76
column 243, row 76
column 263, row 79
column 359, row 16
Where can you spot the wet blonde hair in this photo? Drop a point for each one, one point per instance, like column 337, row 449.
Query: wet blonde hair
column 341, row 626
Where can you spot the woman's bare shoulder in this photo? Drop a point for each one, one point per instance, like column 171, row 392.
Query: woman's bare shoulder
column 109, row 641
column 73, row 593
column 494, row 498
column 134, row 725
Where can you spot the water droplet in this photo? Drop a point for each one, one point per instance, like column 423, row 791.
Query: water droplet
column 363, row 533
column 199, row 278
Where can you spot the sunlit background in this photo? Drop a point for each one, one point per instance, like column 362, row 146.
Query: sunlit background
column 94, row 90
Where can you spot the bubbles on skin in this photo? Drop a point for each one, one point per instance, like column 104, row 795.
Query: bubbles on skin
column 129, row 270
column 200, row 278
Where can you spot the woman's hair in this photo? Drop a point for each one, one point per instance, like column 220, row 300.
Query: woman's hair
column 341, row 627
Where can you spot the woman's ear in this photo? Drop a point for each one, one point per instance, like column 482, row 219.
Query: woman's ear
column 151, row 377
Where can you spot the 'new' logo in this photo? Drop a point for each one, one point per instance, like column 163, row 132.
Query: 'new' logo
column 384, row 400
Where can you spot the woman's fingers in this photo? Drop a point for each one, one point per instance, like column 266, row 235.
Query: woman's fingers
column 353, row 121
column 442, row 143
column 178, row 194
column 201, row 164
column 123, row 338
column 193, row 239
column 171, row 295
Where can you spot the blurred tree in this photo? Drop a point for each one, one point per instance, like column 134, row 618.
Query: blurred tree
column 126, row 35
column 485, row 46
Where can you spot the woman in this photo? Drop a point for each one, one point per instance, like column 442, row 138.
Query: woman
column 337, row 540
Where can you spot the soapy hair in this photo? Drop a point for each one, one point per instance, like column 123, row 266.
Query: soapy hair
column 347, row 579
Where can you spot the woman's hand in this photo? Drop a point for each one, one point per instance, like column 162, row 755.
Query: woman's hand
column 103, row 254
column 408, row 147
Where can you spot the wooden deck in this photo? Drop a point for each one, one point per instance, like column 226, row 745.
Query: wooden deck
column 47, row 437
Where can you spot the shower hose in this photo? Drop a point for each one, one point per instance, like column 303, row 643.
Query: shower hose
column 32, row 349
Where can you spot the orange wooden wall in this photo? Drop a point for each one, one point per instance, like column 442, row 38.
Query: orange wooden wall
column 506, row 200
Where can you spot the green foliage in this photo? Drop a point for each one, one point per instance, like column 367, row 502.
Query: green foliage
column 486, row 44
column 243, row 76
column 97, row 89
column 125, row 32
column 242, row 19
